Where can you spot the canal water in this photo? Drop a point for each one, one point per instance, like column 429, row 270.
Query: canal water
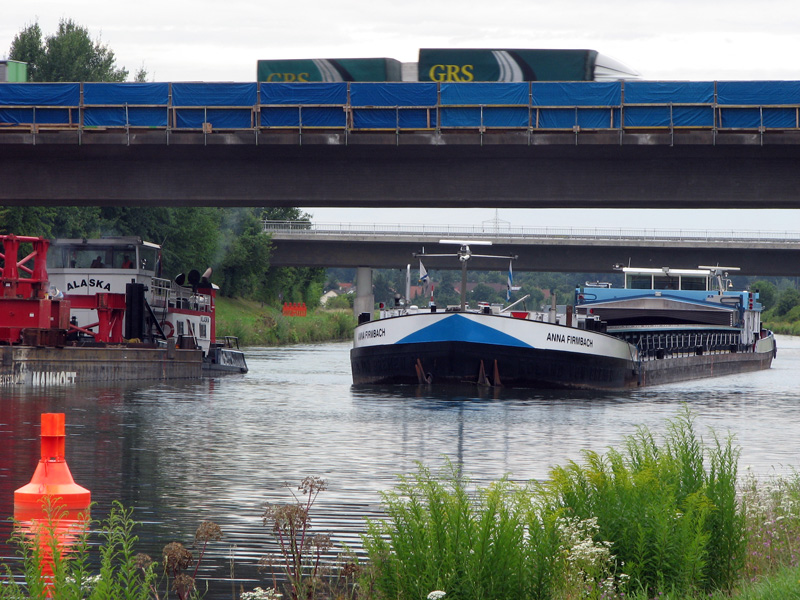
column 218, row 449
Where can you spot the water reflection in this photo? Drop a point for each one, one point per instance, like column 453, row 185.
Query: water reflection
column 218, row 449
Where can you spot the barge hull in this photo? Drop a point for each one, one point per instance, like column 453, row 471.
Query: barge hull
column 670, row 370
column 459, row 362
column 45, row 366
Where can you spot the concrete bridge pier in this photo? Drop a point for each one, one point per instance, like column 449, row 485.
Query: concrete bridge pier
column 365, row 299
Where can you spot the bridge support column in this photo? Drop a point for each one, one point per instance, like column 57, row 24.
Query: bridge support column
column 365, row 299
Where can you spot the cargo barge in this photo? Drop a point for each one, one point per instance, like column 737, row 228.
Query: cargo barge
column 665, row 325
column 81, row 311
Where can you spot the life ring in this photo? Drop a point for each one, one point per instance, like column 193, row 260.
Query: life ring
column 168, row 329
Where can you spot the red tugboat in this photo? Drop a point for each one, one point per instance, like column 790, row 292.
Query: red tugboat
column 106, row 322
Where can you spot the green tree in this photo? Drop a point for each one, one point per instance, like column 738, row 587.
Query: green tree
column 245, row 260
column 767, row 293
column 141, row 75
column 484, row 293
column 68, row 55
column 51, row 221
column 28, row 46
column 788, row 299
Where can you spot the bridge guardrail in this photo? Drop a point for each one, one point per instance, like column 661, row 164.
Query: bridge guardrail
column 576, row 233
column 533, row 107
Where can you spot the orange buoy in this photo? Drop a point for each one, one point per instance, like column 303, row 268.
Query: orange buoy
column 52, row 488
column 52, row 476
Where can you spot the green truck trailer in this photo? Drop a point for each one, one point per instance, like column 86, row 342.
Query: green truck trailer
column 329, row 69
column 13, row 71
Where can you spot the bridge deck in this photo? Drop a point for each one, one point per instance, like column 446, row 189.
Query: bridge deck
column 557, row 249
column 530, row 113
column 528, row 145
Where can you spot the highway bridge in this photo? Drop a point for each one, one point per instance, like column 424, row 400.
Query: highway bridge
column 516, row 145
column 541, row 249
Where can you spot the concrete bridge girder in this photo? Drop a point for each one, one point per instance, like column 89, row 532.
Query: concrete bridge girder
column 764, row 259
column 419, row 170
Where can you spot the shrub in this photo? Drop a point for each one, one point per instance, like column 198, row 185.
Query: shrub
column 438, row 537
column 672, row 523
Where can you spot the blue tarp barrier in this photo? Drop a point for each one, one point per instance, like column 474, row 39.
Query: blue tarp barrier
column 577, row 94
column 586, row 118
column 666, row 92
column 669, row 92
column 660, row 116
column 303, row 93
column 484, row 93
column 391, row 95
column 126, row 93
column 761, row 94
column 220, row 118
column 311, row 117
column 390, row 118
column 118, row 116
column 213, row 94
column 132, row 94
column 491, row 117
column 42, row 116
column 758, row 93
column 557, row 105
column 210, row 95
column 40, row 94
column 753, row 118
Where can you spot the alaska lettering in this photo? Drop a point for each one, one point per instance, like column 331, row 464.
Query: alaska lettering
column 93, row 283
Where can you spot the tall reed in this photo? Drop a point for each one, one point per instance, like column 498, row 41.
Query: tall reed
column 123, row 574
column 437, row 536
column 669, row 510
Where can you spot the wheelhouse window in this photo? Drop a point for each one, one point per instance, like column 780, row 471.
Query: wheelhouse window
column 148, row 259
column 694, row 283
column 639, row 282
column 92, row 257
column 665, row 282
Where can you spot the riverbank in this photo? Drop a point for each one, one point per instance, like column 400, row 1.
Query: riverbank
column 258, row 325
column 783, row 327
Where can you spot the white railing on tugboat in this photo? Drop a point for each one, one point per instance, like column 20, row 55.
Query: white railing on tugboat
column 305, row 228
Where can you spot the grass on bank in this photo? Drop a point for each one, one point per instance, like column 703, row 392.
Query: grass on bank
column 783, row 327
column 658, row 519
column 258, row 325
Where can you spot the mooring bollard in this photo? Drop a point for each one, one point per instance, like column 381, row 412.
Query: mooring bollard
column 52, row 505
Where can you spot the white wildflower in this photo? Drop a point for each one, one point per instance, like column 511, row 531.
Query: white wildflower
column 88, row 583
column 436, row 595
column 260, row 594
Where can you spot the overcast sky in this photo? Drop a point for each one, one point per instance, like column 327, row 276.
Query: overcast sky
column 203, row 40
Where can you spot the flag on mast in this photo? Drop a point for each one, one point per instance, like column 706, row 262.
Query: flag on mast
column 509, row 283
column 423, row 274
column 424, row 279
